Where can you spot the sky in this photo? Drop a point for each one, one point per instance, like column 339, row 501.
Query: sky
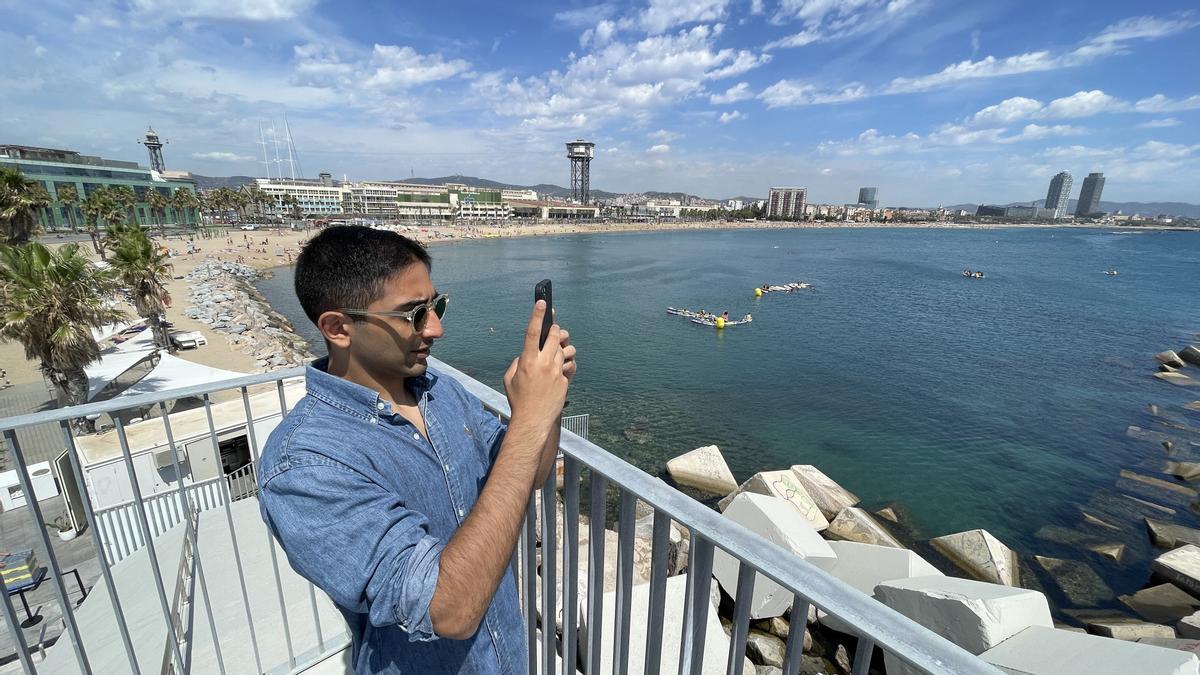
column 933, row 101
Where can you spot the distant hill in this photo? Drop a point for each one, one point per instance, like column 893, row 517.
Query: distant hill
column 1178, row 209
column 214, row 182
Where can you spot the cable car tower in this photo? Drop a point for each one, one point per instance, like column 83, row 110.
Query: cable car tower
column 580, row 152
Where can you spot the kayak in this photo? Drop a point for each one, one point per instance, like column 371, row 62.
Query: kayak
column 675, row 311
column 713, row 324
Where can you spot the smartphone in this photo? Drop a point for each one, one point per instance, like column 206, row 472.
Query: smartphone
column 543, row 291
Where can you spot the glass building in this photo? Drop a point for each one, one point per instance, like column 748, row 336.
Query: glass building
column 1089, row 195
column 1059, row 193
column 867, row 197
column 55, row 169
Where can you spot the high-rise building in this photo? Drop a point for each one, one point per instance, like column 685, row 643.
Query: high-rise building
column 866, row 197
column 1059, row 193
column 787, row 202
column 1089, row 195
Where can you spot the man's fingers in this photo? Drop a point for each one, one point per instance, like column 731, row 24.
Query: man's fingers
column 533, row 331
column 564, row 337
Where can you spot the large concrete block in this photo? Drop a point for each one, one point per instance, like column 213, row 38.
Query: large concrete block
column 1181, row 567
column 1171, row 535
column 1038, row 650
column 716, row 643
column 975, row 615
column 855, row 524
column 642, row 556
column 981, row 555
column 1164, row 603
column 778, row 521
column 784, row 485
column 703, row 469
column 830, row 497
column 865, row 566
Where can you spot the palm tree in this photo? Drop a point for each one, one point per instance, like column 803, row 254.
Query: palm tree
column 182, row 200
column 101, row 205
column 158, row 209
column 143, row 268
column 69, row 197
column 49, row 302
column 127, row 198
column 240, row 201
column 21, row 201
column 292, row 204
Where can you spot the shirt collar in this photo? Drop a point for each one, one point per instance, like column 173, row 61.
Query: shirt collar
column 352, row 396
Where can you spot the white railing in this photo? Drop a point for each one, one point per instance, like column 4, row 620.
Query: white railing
column 607, row 477
column 576, row 424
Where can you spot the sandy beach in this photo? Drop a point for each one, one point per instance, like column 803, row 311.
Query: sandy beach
column 269, row 248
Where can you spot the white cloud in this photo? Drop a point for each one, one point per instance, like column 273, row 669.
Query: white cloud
column 398, row 67
column 664, row 136
column 1008, row 111
column 727, row 117
column 871, row 142
column 1162, row 104
column 1082, row 104
column 1112, row 39
column 217, row 156
column 225, row 10
column 660, row 149
column 1160, row 123
column 789, row 93
column 986, row 67
column 662, row 15
column 738, row 92
column 826, row 20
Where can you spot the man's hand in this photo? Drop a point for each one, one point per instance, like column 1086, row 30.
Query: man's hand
column 536, row 381
column 568, row 349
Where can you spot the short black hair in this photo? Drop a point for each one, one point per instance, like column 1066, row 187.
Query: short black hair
column 348, row 266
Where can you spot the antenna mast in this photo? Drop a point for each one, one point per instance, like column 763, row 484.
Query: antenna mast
column 293, row 154
column 262, row 141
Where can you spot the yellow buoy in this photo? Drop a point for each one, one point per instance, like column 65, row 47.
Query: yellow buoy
column 720, row 322
column 758, row 292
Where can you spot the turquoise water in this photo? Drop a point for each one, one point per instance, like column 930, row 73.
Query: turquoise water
column 999, row 403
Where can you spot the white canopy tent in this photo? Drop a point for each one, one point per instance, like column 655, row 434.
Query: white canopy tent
column 173, row 372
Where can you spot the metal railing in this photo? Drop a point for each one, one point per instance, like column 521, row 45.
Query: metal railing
column 576, row 424
column 121, row 532
column 875, row 625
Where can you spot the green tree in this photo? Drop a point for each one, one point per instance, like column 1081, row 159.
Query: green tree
column 183, row 201
column 68, row 196
column 292, row 205
column 143, row 268
column 127, row 198
column 158, row 209
column 49, row 302
column 21, row 201
column 101, row 206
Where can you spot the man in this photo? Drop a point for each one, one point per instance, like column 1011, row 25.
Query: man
column 388, row 485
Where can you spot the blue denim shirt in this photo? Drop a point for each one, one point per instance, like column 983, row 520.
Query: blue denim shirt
column 363, row 505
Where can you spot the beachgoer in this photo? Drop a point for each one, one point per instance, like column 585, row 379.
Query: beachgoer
column 725, row 315
column 4, row 382
column 392, row 488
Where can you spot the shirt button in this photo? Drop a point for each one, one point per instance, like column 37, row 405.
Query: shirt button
column 374, row 420
column 446, row 467
column 379, row 405
column 460, row 513
column 416, row 436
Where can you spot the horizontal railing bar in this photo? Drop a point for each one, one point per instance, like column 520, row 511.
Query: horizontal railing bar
column 145, row 400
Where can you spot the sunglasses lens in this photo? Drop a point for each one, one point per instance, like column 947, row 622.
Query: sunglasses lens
column 439, row 307
column 418, row 320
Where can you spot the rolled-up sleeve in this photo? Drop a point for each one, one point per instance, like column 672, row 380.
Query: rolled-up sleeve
column 357, row 542
column 487, row 427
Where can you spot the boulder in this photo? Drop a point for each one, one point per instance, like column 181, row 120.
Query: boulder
column 779, row 522
column 855, row 524
column 1170, row 535
column 889, row 514
column 1194, row 405
column 981, row 555
column 1039, row 650
column 1160, row 484
column 1189, row 626
column 1169, row 358
column 1190, row 354
column 1111, row 551
column 716, row 643
column 1078, row 581
column 972, row 614
column 1121, row 626
column 1098, row 522
column 1182, row 470
column 865, row 566
column 1191, row 646
column 1181, row 567
column 830, row 497
column 704, row 469
column 765, row 649
column 784, row 485
column 1164, row 603
column 1178, row 379
column 677, row 543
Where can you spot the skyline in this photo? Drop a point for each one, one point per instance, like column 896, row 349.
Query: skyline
column 934, row 103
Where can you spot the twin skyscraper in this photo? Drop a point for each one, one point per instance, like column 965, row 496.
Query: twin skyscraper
column 1089, row 196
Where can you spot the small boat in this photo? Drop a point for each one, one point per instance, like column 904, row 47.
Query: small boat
column 675, row 311
column 1111, row 273
column 785, row 288
column 711, row 323
column 972, row 274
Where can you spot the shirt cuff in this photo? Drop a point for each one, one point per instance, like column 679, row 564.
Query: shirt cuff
column 415, row 594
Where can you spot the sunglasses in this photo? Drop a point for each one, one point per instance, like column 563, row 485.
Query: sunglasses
column 416, row 316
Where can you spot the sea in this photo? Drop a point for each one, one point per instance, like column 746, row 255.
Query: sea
column 999, row 403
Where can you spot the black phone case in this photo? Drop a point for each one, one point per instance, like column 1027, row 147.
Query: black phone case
column 543, row 291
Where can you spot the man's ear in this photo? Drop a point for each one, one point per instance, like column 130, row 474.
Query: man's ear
column 335, row 328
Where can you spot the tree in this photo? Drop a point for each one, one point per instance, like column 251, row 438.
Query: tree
column 143, row 268
column 69, row 197
column 49, row 302
column 292, row 205
column 158, row 209
column 183, row 201
column 127, row 198
column 21, row 200
column 100, row 205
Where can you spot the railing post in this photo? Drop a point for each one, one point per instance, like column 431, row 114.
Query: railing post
column 695, row 614
column 595, row 591
column 741, row 619
column 658, row 592
column 570, row 563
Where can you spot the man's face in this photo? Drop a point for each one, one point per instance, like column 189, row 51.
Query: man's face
column 391, row 347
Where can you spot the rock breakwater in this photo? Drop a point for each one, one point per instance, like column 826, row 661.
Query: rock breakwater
column 220, row 295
